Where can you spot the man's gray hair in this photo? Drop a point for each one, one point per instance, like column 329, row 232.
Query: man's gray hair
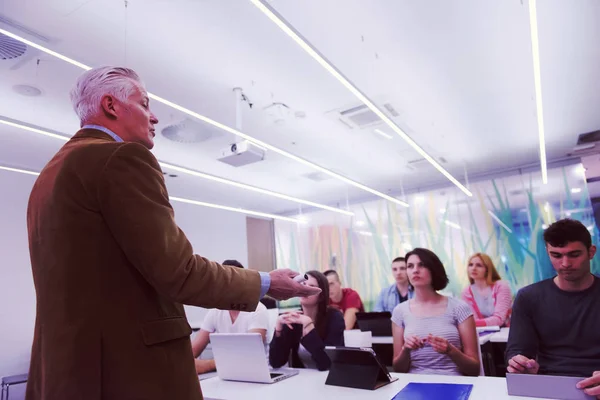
column 94, row 84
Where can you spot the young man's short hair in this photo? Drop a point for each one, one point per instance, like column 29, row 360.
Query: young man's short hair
column 399, row 259
column 332, row 272
column 567, row 231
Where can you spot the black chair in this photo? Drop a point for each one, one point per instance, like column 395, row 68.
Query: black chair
column 7, row 381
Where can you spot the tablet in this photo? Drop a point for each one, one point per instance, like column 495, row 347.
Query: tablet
column 545, row 386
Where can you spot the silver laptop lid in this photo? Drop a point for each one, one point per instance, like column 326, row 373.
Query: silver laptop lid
column 545, row 386
column 240, row 357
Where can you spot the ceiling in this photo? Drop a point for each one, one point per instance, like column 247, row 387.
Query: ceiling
column 459, row 75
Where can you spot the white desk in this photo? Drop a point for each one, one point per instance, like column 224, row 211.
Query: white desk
column 500, row 337
column 383, row 339
column 310, row 384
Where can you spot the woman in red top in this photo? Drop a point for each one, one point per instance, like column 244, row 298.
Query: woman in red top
column 488, row 295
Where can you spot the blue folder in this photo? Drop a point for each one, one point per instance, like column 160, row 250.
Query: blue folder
column 437, row 391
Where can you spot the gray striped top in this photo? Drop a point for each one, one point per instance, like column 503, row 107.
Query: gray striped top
column 426, row 360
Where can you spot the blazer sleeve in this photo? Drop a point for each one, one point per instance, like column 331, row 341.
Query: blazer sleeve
column 134, row 203
column 334, row 337
column 280, row 347
column 502, row 304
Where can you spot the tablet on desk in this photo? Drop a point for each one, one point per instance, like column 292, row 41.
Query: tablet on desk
column 545, row 386
column 357, row 368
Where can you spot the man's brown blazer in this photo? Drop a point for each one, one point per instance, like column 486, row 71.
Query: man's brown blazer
column 111, row 270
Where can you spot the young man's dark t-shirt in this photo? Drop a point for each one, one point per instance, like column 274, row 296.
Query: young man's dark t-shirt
column 561, row 328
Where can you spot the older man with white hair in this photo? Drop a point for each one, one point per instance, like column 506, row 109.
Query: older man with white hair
column 110, row 266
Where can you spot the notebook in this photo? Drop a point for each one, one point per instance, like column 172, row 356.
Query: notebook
column 437, row 391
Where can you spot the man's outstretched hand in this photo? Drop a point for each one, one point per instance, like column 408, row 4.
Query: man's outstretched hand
column 283, row 286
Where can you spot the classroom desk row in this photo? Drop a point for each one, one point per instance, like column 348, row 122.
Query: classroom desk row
column 310, row 384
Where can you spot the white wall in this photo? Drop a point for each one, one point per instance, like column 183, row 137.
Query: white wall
column 215, row 234
column 17, row 296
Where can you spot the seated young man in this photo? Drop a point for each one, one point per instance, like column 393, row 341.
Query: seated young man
column 346, row 300
column 223, row 321
column 555, row 325
column 399, row 292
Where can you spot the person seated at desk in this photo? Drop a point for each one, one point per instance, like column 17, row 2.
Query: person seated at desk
column 398, row 292
column 488, row 295
column 344, row 299
column 223, row 321
column 306, row 334
column 432, row 333
column 555, row 326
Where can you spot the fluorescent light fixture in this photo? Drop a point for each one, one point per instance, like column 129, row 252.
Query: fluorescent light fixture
column 360, row 223
column 407, row 246
column 382, row 133
column 21, row 171
column 419, row 198
column 194, row 202
column 576, row 190
column 502, row 224
column 535, row 50
column 34, row 130
column 251, row 188
column 274, row 16
column 452, row 224
column 197, row 173
column 219, row 125
column 364, row 233
column 234, row 209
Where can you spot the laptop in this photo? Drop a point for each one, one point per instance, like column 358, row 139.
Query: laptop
column 379, row 323
column 242, row 357
column 545, row 386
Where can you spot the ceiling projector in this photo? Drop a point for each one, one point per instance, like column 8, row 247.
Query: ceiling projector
column 242, row 153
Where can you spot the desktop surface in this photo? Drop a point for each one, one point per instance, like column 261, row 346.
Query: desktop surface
column 310, row 384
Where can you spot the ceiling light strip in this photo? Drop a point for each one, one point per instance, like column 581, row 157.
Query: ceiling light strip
column 234, row 209
column 21, row 171
column 314, row 53
column 45, row 50
column 188, row 201
column 251, row 188
column 502, row 224
column 535, row 50
column 34, row 130
column 220, row 125
column 196, row 173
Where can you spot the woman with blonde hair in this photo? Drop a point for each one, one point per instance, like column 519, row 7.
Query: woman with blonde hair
column 488, row 295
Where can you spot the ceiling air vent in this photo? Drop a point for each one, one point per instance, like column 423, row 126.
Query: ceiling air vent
column 11, row 48
column 421, row 163
column 15, row 54
column 361, row 117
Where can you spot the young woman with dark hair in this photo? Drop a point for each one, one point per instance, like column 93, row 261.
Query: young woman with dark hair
column 301, row 337
column 433, row 334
